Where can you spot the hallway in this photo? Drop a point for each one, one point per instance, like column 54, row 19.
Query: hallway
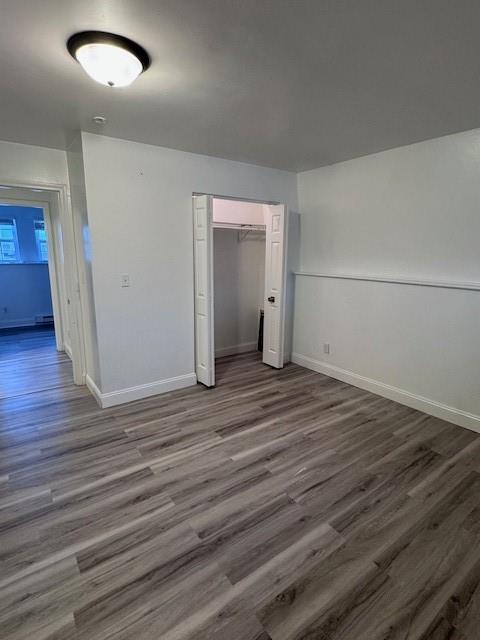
column 30, row 362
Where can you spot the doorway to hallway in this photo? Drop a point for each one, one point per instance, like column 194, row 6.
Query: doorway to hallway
column 38, row 334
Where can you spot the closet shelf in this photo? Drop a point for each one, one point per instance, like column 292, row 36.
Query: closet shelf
column 239, row 227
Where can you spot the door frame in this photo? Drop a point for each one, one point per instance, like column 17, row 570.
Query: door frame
column 210, row 261
column 66, row 304
column 59, row 304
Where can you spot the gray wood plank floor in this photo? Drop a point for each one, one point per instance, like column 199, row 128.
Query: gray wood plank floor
column 29, row 362
column 281, row 504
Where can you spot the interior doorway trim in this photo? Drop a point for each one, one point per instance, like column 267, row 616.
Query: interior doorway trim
column 69, row 245
column 219, row 196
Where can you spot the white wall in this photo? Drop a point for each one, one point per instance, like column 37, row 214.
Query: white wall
column 139, row 200
column 24, row 294
column 239, row 284
column 411, row 213
column 23, row 163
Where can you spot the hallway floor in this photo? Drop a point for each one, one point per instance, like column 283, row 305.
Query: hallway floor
column 280, row 505
column 30, row 362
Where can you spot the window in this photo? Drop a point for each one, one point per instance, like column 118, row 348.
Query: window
column 41, row 239
column 8, row 242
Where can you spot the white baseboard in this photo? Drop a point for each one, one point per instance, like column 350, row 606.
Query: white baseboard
column 14, row 324
column 432, row 407
column 112, row 398
column 68, row 350
column 25, row 323
column 237, row 348
column 94, row 390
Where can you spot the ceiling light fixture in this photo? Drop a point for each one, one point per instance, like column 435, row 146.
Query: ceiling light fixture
column 108, row 58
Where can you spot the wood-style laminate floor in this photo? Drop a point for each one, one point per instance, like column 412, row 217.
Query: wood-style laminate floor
column 281, row 504
column 30, row 362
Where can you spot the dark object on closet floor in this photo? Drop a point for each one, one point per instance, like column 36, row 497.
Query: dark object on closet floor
column 260, row 332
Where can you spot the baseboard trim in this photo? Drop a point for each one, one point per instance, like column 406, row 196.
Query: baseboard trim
column 237, row 348
column 432, row 407
column 94, row 390
column 18, row 324
column 112, row 398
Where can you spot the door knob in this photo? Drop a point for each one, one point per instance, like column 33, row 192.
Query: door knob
column 271, row 299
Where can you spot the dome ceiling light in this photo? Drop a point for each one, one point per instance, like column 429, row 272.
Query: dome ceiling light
column 108, row 58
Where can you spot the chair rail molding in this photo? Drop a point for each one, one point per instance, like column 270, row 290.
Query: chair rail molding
column 440, row 284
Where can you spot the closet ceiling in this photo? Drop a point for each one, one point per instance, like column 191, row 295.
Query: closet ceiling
column 293, row 84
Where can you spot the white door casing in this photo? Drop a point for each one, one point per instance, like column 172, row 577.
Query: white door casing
column 274, row 305
column 54, row 275
column 204, row 315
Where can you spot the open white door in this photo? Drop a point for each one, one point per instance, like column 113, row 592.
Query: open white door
column 203, row 251
column 275, row 221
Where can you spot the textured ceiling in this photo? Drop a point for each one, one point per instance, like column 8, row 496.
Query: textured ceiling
column 293, row 84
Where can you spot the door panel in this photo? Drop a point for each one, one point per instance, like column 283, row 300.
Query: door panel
column 275, row 221
column 203, row 255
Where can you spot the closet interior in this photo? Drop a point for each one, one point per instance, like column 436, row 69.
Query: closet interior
column 239, row 234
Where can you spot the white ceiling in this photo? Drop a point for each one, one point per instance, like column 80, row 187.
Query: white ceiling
column 293, row 84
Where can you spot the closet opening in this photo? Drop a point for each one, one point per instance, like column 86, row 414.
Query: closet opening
column 239, row 250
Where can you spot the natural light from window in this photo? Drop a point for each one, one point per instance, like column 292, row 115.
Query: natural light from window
column 9, row 251
column 23, row 235
column 41, row 240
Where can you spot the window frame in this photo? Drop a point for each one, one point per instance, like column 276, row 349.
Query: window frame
column 18, row 258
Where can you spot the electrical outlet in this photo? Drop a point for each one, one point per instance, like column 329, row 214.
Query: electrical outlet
column 124, row 280
column 326, row 347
